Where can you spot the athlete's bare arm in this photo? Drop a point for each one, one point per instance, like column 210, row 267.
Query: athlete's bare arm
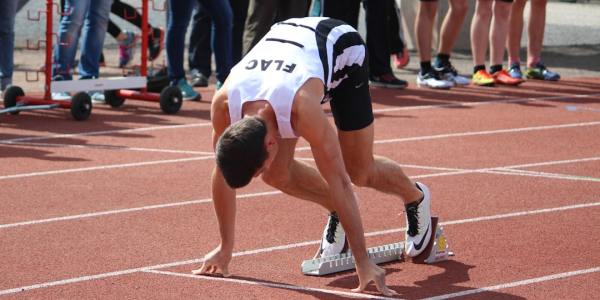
column 311, row 123
column 223, row 195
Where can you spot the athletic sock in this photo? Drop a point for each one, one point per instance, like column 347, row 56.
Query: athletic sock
column 478, row 68
column 426, row 67
column 442, row 60
column 495, row 68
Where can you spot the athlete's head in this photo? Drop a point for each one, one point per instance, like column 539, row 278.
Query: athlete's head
column 241, row 151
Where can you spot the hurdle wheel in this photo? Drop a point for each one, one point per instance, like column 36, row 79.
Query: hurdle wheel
column 81, row 106
column 171, row 99
column 10, row 97
column 112, row 98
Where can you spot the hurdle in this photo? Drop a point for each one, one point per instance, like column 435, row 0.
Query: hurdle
column 436, row 251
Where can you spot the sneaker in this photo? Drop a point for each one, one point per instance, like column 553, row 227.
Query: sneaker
column 60, row 96
column 387, row 81
column 432, row 80
column 502, row 77
column 126, row 48
column 482, row 78
column 401, row 59
column 155, row 39
column 515, row 71
column 449, row 73
column 418, row 223
column 541, row 72
column 187, row 91
column 334, row 238
column 218, row 85
column 198, row 79
column 97, row 97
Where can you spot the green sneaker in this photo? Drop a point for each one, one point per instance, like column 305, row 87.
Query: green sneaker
column 540, row 72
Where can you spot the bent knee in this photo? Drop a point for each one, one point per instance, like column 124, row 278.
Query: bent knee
column 275, row 179
column 359, row 178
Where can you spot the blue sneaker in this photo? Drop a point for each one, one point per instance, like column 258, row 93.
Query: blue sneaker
column 539, row 71
column 187, row 91
column 515, row 71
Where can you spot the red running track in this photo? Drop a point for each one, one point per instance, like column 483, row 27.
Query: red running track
column 119, row 206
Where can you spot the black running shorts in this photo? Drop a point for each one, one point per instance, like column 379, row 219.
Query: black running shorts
column 351, row 101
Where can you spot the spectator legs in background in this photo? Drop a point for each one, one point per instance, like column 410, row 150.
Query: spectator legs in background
column 7, row 42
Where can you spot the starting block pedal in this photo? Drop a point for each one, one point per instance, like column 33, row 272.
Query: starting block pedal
column 436, row 251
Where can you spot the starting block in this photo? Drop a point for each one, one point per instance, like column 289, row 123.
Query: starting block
column 436, row 251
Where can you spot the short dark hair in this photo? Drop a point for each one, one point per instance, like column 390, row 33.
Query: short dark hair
column 241, row 151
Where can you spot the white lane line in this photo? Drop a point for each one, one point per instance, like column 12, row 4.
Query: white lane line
column 451, row 172
column 106, row 167
column 205, row 124
column 421, row 138
column 129, row 210
column 270, row 284
column 517, row 283
column 280, row 248
column 108, row 147
column 490, row 102
column 107, row 132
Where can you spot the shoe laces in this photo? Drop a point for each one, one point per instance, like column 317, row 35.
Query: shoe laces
column 412, row 215
column 332, row 227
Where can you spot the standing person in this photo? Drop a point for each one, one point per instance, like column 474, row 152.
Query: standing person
column 535, row 39
column 200, row 50
column 7, row 42
column 263, row 13
column 90, row 18
column 497, row 33
column 441, row 75
column 180, row 12
column 273, row 97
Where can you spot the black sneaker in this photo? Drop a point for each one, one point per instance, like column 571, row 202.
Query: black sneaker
column 198, row 79
column 387, row 81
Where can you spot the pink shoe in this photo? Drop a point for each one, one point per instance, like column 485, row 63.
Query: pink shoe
column 401, row 59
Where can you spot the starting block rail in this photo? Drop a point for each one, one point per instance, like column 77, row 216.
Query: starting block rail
column 436, row 251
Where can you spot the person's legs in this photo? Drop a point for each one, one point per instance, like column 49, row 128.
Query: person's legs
column 7, row 42
column 179, row 13
column 380, row 71
column 427, row 76
column 68, row 37
column 131, row 15
column 94, row 31
column 536, row 27
column 240, row 12
column 480, row 30
column 292, row 9
column 515, row 31
column 200, row 50
column 452, row 24
column 499, row 32
column 222, row 16
column 346, row 11
column 261, row 14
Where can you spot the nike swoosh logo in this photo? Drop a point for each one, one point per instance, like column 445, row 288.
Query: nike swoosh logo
column 359, row 85
column 420, row 244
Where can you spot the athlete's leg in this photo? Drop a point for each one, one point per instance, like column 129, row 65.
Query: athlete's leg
column 480, row 29
column 295, row 177
column 537, row 24
column 499, row 31
column 451, row 25
column 378, row 172
column 515, row 31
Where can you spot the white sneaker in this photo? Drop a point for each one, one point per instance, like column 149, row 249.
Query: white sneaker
column 418, row 223
column 61, row 96
column 97, row 97
column 334, row 238
column 449, row 73
column 431, row 80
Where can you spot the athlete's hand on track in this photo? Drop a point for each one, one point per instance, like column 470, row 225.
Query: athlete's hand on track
column 216, row 260
column 372, row 272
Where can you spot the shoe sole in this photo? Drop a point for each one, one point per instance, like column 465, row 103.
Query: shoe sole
column 424, row 85
column 389, row 86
